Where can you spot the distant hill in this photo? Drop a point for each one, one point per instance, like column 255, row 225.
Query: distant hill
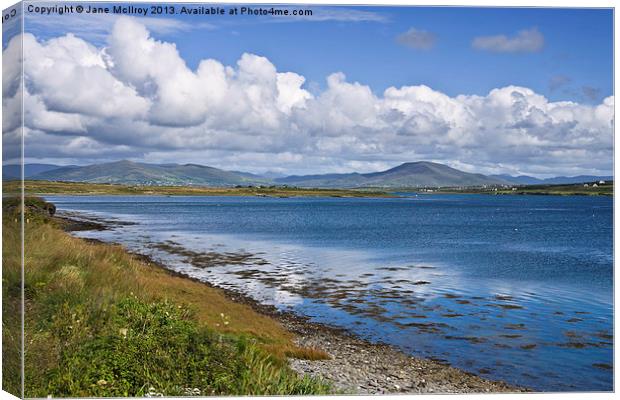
column 12, row 171
column 413, row 174
column 133, row 173
column 558, row 180
column 408, row 175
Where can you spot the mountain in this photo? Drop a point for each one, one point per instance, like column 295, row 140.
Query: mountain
column 413, row 174
column 263, row 177
column 12, row 171
column 558, row 180
column 128, row 172
column 273, row 175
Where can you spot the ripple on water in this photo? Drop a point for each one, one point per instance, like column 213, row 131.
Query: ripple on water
column 419, row 306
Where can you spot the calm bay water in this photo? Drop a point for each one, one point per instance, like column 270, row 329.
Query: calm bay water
column 518, row 288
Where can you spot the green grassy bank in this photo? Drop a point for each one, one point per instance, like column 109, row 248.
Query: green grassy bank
column 101, row 322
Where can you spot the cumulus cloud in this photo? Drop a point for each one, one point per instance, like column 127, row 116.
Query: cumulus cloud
column 71, row 76
column 417, row 39
column 525, row 41
column 136, row 97
column 181, row 97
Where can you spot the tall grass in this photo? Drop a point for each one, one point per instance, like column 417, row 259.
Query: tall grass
column 100, row 322
column 11, row 299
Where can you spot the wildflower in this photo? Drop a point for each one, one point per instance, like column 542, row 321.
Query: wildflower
column 123, row 332
column 102, row 382
column 192, row 392
column 153, row 393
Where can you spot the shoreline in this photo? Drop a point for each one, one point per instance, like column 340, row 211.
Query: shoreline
column 51, row 188
column 356, row 365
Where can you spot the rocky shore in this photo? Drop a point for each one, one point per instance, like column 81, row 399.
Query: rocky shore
column 355, row 366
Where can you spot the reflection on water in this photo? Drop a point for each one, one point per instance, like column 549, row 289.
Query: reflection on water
column 527, row 322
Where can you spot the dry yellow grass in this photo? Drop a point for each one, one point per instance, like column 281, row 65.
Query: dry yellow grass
column 307, row 353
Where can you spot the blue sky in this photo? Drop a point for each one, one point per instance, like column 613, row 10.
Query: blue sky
column 577, row 51
column 578, row 45
column 489, row 90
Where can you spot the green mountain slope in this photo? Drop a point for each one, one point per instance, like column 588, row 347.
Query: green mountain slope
column 414, row 174
column 128, row 172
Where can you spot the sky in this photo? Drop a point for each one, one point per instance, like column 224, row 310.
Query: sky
column 490, row 90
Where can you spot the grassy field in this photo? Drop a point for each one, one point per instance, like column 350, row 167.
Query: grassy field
column 101, row 322
column 74, row 188
column 556, row 190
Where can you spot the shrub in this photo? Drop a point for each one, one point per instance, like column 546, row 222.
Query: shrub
column 156, row 348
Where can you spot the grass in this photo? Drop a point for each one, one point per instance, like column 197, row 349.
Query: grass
column 76, row 188
column 11, row 302
column 101, row 322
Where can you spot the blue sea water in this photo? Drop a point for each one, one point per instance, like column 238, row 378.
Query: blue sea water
column 518, row 288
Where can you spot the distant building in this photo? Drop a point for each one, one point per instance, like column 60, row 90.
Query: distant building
column 594, row 185
column 586, row 185
column 601, row 182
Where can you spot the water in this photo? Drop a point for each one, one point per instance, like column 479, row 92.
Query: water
column 518, row 288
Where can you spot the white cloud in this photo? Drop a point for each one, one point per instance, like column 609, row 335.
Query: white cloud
column 70, row 76
column 526, row 41
column 136, row 97
column 417, row 39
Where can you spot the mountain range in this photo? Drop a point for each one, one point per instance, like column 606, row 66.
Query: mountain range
column 558, row 180
column 412, row 174
column 12, row 171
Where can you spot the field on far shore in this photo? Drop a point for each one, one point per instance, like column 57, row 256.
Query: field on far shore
column 577, row 189
column 33, row 187
column 78, row 188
